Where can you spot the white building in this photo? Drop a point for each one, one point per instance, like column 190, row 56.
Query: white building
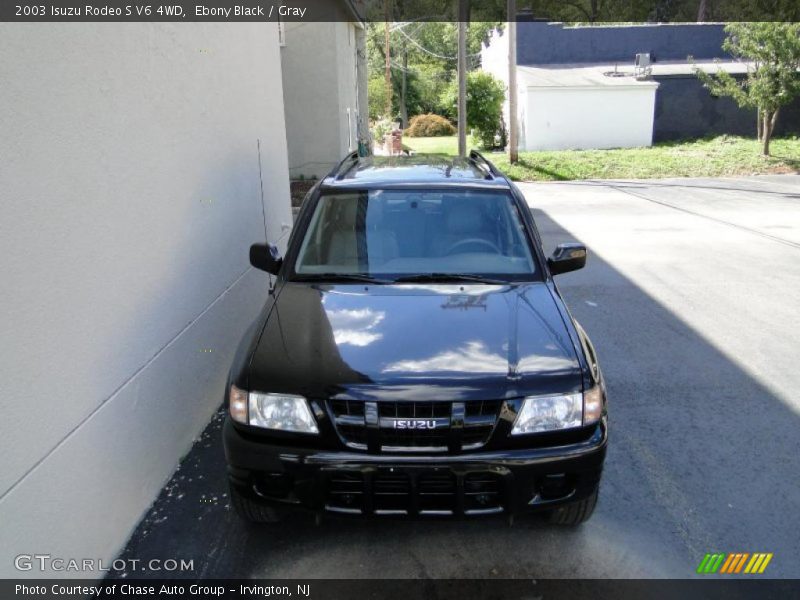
column 563, row 107
column 130, row 186
column 324, row 89
column 579, row 89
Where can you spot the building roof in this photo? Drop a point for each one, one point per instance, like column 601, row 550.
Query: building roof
column 613, row 75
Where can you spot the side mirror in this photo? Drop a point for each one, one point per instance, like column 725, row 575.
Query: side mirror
column 265, row 257
column 567, row 257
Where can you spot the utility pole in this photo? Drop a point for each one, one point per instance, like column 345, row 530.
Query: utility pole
column 463, row 15
column 387, row 53
column 513, row 138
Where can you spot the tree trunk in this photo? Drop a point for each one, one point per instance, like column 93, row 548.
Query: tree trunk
column 759, row 125
column 513, row 131
column 388, row 56
column 769, row 125
column 463, row 15
column 403, row 86
column 702, row 11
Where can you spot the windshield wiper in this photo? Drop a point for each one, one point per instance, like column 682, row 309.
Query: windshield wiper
column 447, row 277
column 340, row 277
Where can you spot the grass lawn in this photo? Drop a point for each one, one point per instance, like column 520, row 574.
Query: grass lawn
column 713, row 157
column 434, row 145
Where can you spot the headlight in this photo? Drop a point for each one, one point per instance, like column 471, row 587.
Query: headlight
column 281, row 411
column 561, row 411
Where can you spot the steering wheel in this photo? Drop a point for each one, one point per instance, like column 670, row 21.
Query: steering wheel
column 472, row 242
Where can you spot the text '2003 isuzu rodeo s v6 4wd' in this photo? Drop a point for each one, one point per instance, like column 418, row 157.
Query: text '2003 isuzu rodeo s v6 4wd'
column 414, row 356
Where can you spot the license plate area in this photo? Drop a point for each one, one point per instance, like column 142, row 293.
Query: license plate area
column 425, row 491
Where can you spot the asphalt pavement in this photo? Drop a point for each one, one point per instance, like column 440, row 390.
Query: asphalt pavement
column 692, row 298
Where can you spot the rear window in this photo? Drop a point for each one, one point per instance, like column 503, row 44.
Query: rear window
column 401, row 232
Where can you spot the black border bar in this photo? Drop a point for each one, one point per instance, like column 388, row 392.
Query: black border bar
column 379, row 10
column 401, row 589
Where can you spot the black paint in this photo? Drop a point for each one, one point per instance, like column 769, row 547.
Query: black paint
column 554, row 44
column 685, row 109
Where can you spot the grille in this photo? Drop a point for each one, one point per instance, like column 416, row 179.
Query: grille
column 414, row 438
column 393, row 492
column 415, row 426
column 437, row 492
column 414, row 410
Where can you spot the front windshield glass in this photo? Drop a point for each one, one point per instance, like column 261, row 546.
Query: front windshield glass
column 397, row 233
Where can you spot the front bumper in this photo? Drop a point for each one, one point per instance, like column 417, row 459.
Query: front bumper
column 510, row 481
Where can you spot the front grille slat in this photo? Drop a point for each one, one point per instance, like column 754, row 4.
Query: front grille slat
column 414, row 426
column 392, row 491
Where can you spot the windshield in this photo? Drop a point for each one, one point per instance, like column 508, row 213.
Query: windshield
column 394, row 234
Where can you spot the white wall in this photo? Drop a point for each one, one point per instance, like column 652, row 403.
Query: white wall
column 320, row 85
column 310, row 92
column 346, row 64
column 494, row 60
column 562, row 118
column 129, row 183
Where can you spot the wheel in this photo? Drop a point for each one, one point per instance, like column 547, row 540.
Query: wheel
column 575, row 513
column 251, row 511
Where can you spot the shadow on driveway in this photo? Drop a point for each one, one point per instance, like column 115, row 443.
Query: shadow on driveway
column 702, row 458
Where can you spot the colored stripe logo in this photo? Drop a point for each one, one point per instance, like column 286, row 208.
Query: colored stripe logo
column 734, row 563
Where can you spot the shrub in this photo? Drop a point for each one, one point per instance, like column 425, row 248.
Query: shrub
column 429, row 126
column 485, row 96
column 380, row 128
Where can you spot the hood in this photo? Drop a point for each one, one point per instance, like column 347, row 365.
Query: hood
column 415, row 342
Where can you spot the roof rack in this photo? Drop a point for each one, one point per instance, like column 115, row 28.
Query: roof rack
column 343, row 167
column 481, row 159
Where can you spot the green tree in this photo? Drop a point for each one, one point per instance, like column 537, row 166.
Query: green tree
column 738, row 10
column 423, row 61
column 376, row 94
column 772, row 52
column 485, row 96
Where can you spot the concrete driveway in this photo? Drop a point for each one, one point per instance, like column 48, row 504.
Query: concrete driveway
column 692, row 297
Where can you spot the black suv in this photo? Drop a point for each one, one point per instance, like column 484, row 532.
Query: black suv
column 414, row 356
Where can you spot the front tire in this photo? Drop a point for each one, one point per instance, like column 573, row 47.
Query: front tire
column 251, row 511
column 575, row 513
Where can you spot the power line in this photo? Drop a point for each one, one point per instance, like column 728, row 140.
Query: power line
column 431, row 52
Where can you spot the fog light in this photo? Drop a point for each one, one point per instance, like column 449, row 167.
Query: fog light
column 274, row 485
column 553, row 486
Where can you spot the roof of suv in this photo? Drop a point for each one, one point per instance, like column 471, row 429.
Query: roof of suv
column 429, row 169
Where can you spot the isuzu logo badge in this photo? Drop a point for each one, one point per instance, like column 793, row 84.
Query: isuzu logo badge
column 415, row 424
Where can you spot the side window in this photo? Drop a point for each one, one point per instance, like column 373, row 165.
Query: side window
column 332, row 233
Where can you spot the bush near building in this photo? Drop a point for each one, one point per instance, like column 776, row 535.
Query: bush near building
column 485, row 95
column 429, row 126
